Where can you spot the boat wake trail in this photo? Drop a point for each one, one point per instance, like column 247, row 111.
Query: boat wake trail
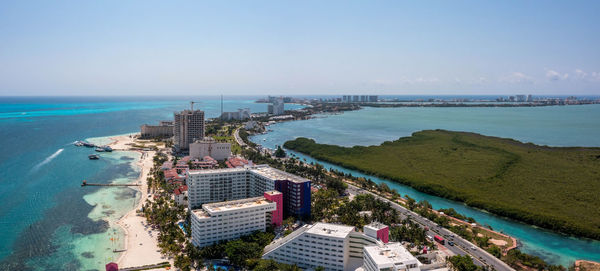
column 47, row 160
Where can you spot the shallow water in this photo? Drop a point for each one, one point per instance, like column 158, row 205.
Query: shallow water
column 555, row 126
column 47, row 220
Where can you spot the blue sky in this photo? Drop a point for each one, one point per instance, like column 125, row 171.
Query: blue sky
column 299, row 47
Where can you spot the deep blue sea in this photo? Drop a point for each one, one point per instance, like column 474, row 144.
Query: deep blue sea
column 49, row 222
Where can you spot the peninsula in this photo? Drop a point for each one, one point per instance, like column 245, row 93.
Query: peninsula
column 551, row 187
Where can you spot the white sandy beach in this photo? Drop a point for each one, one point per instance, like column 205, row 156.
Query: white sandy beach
column 140, row 240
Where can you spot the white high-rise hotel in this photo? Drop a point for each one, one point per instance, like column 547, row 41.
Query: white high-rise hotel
column 389, row 257
column 341, row 248
column 232, row 219
column 207, row 186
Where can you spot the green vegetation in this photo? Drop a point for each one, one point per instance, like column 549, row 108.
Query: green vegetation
column 453, row 213
column 279, row 153
column 551, row 187
column 517, row 259
column 245, row 252
column 463, row 263
column 223, row 132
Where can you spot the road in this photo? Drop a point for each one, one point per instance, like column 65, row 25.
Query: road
column 237, row 137
column 460, row 247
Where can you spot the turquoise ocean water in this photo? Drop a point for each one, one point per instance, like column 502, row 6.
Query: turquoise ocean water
column 554, row 126
column 47, row 221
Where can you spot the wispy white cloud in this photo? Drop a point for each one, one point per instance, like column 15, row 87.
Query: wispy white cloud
column 517, row 78
column 553, row 75
column 585, row 76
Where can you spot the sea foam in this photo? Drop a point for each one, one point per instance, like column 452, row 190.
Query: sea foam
column 47, row 160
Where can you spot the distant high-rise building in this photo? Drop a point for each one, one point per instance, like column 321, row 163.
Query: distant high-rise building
column 189, row 127
column 359, row 98
column 276, row 107
column 520, row 98
column 529, row 98
column 240, row 114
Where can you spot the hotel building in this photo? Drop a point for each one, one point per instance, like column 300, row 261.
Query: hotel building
column 276, row 107
column 218, row 185
column 377, row 230
column 163, row 129
column 209, row 147
column 228, row 220
column 341, row 248
column 188, row 127
column 332, row 246
column 389, row 257
column 240, row 114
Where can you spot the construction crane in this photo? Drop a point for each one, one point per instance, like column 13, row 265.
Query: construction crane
column 192, row 105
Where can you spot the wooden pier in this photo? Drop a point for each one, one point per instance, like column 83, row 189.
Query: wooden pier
column 85, row 183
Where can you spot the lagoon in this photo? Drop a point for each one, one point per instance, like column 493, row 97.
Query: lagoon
column 553, row 126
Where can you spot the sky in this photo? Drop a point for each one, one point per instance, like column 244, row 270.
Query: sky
column 299, row 47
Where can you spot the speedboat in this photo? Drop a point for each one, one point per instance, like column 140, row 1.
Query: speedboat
column 99, row 149
column 89, row 145
column 93, row 157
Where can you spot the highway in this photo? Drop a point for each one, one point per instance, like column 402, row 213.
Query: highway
column 237, row 137
column 461, row 246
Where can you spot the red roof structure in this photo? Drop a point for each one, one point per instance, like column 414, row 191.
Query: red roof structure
column 171, row 174
column 234, row 162
column 180, row 190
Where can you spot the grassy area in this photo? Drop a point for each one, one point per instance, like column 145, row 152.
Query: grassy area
column 235, row 148
column 555, row 188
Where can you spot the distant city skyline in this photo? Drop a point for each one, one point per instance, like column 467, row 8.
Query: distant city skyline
column 154, row 48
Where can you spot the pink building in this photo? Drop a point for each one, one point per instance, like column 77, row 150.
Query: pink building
column 277, row 215
column 112, row 267
column 378, row 230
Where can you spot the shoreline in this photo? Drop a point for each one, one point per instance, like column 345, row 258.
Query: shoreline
column 140, row 245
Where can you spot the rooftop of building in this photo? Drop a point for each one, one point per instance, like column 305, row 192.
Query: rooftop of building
column 332, row 230
column 390, row 254
column 167, row 165
column 263, row 170
column 180, row 190
column 207, row 140
column 184, row 159
column 214, row 171
column 276, row 174
column 171, row 173
column 188, row 111
column 273, row 192
column 224, row 206
column 376, row 225
column 236, row 162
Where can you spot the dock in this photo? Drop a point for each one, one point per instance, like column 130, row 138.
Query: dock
column 85, row 183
